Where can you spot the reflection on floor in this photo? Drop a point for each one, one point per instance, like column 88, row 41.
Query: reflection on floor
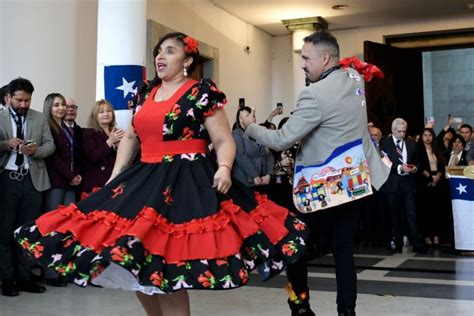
column 394, row 285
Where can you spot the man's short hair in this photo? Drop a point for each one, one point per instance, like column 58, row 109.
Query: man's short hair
column 465, row 125
column 324, row 38
column 397, row 123
column 20, row 84
column 3, row 93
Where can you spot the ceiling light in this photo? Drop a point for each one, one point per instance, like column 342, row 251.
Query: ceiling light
column 340, row 7
column 470, row 6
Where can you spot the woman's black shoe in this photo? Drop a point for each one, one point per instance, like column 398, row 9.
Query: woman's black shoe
column 56, row 282
column 9, row 288
column 29, row 286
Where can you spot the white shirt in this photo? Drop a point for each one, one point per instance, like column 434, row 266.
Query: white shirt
column 404, row 155
column 11, row 161
column 452, row 158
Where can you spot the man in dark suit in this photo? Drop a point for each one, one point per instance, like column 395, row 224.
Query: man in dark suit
column 25, row 140
column 70, row 121
column 400, row 186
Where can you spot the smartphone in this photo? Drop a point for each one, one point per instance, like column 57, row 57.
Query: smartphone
column 457, row 120
column 29, row 143
column 280, row 105
column 430, row 120
column 241, row 102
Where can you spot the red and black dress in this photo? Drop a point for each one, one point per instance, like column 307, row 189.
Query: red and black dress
column 160, row 226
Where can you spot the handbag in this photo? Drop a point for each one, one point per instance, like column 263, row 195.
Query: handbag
column 343, row 177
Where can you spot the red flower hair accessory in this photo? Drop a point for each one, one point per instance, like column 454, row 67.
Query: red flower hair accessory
column 367, row 70
column 190, row 45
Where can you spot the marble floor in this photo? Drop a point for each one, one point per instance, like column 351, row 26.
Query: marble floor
column 389, row 284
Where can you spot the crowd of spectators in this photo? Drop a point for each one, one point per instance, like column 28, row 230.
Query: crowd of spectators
column 415, row 201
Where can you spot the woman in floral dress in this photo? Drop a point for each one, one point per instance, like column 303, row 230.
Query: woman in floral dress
column 174, row 220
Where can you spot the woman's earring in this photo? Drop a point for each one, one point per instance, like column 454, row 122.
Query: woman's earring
column 185, row 72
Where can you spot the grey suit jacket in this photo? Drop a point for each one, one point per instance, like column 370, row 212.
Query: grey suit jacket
column 328, row 114
column 37, row 129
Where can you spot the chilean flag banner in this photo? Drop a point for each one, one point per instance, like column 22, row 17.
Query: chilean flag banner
column 121, row 83
column 462, row 198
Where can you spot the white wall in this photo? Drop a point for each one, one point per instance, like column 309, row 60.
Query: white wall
column 53, row 43
column 240, row 74
column 282, row 74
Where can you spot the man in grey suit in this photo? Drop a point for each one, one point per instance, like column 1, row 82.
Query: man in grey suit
column 25, row 140
column 330, row 112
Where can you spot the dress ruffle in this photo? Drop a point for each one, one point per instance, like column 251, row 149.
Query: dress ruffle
column 217, row 236
column 217, row 252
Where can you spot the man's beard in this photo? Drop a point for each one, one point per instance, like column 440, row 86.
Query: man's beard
column 20, row 112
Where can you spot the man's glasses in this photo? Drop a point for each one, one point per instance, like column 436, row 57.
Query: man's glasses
column 72, row 106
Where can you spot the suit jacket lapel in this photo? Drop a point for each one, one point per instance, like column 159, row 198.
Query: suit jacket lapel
column 29, row 127
column 8, row 123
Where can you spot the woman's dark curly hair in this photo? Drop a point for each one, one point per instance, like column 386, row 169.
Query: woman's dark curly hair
column 145, row 88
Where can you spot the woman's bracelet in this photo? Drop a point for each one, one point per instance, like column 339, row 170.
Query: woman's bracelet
column 225, row 165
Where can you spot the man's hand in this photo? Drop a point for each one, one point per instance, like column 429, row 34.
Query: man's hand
column 265, row 179
column 30, row 149
column 15, row 142
column 257, row 181
column 409, row 168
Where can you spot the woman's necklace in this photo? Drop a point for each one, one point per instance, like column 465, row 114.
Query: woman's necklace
column 165, row 92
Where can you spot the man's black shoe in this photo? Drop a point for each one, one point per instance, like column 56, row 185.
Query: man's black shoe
column 9, row 288
column 29, row 286
column 300, row 309
column 347, row 312
column 56, row 282
column 422, row 250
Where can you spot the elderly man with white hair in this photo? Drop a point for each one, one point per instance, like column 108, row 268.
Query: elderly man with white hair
column 400, row 186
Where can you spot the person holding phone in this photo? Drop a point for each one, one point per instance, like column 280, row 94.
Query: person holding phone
column 400, row 187
column 25, row 141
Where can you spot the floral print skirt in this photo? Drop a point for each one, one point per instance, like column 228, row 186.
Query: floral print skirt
column 159, row 228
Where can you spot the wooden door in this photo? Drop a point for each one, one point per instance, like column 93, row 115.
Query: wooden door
column 400, row 93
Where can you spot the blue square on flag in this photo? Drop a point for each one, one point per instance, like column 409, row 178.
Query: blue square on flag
column 121, row 83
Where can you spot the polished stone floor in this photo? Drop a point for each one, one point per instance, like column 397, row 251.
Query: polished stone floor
column 389, row 284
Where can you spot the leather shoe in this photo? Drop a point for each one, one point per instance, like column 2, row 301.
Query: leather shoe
column 8, row 288
column 347, row 312
column 29, row 286
column 56, row 282
column 422, row 250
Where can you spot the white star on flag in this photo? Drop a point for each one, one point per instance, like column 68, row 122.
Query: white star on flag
column 126, row 87
column 461, row 188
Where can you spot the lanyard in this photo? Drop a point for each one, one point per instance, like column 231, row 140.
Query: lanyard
column 19, row 121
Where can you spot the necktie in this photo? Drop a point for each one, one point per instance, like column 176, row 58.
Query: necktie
column 399, row 150
column 19, row 134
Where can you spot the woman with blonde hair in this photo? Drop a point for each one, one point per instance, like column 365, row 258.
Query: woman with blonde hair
column 99, row 142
